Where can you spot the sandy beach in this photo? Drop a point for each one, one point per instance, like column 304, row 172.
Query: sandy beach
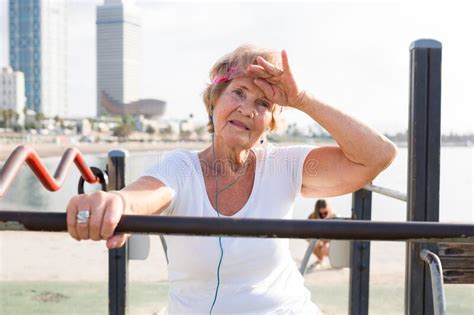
column 38, row 256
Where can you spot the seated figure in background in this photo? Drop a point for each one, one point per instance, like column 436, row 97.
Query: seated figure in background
column 322, row 210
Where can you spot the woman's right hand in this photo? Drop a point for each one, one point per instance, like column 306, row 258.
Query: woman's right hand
column 105, row 210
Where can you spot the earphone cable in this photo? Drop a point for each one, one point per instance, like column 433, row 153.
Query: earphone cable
column 218, row 215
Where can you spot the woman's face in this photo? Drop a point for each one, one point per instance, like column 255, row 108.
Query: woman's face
column 242, row 114
column 325, row 213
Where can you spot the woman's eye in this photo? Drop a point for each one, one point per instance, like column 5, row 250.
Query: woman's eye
column 239, row 92
column 264, row 104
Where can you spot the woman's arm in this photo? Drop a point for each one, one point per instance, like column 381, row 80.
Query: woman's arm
column 147, row 195
column 361, row 155
column 332, row 170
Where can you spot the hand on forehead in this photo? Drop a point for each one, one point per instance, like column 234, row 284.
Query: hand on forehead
column 248, row 84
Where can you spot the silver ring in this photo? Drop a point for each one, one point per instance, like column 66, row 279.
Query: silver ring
column 83, row 216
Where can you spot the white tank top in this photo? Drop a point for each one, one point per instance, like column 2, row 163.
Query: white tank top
column 257, row 276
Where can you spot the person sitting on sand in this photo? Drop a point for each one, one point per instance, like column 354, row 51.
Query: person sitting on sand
column 237, row 177
column 322, row 211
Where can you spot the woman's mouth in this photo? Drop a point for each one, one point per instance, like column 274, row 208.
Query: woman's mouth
column 239, row 124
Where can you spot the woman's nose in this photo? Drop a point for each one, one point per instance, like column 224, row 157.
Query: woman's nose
column 245, row 108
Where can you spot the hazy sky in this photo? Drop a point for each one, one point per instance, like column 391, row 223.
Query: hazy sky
column 353, row 55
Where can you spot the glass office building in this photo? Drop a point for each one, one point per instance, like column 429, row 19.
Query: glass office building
column 37, row 41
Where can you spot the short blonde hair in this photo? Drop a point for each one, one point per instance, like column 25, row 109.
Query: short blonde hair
column 238, row 60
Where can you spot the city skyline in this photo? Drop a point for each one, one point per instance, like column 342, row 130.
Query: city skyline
column 354, row 56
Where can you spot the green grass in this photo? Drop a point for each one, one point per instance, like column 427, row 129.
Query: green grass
column 388, row 300
column 17, row 298
column 76, row 298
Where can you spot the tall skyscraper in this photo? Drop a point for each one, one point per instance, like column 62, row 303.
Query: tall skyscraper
column 38, row 45
column 118, row 53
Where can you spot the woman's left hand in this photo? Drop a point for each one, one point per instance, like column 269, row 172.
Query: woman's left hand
column 278, row 85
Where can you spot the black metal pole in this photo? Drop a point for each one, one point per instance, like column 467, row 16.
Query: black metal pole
column 423, row 165
column 360, row 257
column 118, row 258
column 336, row 229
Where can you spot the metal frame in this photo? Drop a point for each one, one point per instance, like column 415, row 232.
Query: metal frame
column 436, row 270
column 307, row 255
column 360, row 257
column 118, row 258
column 423, row 165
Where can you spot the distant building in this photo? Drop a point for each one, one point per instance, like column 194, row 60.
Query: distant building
column 38, row 48
column 118, row 52
column 12, row 93
column 150, row 108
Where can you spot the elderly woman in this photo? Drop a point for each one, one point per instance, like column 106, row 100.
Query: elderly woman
column 236, row 177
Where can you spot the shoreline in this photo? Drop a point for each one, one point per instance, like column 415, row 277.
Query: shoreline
column 55, row 150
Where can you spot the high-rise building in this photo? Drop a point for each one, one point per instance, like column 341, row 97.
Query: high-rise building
column 118, row 53
column 12, row 92
column 37, row 31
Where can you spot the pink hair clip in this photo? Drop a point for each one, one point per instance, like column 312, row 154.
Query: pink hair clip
column 220, row 79
column 225, row 77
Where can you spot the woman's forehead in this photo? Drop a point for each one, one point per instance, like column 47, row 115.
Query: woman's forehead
column 247, row 84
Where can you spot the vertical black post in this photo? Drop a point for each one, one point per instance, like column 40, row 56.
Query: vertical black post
column 118, row 258
column 423, row 165
column 360, row 257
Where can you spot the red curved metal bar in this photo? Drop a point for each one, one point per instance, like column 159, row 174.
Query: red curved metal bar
column 24, row 153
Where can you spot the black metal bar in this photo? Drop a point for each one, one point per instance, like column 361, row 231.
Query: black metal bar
column 431, row 232
column 433, row 140
column 118, row 258
column 423, row 165
column 360, row 257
